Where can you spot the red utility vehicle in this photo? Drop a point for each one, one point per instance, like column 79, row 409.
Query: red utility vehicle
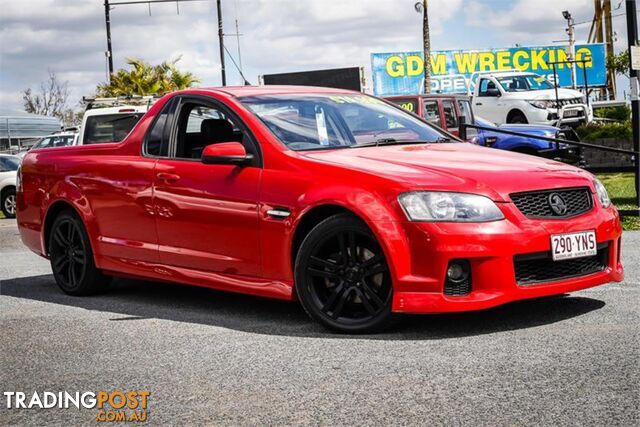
column 438, row 109
column 337, row 199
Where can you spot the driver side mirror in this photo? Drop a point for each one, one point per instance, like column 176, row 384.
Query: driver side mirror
column 226, row 153
column 494, row 91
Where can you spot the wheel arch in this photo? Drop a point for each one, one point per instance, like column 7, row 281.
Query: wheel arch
column 309, row 219
column 6, row 188
column 514, row 112
column 387, row 230
column 55, row 209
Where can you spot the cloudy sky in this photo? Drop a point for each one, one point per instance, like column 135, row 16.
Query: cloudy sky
column 68, row 36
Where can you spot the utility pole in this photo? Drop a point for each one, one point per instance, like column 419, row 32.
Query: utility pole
column 426, row 43
column 632, row 40
column 109, row 52
column 572, row 46
column 107, row 18
column 221, row 40
column 608, row 31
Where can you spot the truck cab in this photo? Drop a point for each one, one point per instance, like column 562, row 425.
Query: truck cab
column 523, row 97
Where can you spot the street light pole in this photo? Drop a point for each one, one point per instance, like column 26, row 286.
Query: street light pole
column 572, row 46
column 109, row 52
column 221, row 40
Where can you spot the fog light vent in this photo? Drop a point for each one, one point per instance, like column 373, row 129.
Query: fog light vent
column 458, row 280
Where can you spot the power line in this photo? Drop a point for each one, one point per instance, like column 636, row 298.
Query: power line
column 107, row 17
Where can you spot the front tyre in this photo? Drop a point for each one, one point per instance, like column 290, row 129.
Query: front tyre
column 9, row 203
column 72, row 258
column 342, row 277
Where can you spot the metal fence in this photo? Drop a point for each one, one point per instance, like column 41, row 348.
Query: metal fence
column 626, row 212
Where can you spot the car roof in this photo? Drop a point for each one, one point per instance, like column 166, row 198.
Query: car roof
column 239, row 91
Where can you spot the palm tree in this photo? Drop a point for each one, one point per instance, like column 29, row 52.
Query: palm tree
column 146, row 79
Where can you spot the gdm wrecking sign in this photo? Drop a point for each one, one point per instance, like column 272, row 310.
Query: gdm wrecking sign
column 401, row 73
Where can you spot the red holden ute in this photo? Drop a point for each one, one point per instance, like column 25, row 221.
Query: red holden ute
column 336, row 199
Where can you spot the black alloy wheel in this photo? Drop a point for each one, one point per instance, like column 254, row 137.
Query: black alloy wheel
column 72, row 259
column 342, row 277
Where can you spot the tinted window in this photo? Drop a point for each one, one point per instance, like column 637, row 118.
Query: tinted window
column 485, row 85
column 450, row 116
column 109, row 127
column 408, row 104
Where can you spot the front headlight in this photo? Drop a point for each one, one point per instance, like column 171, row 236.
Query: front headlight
column 541, row 103
column 602, row 193
column 448, row 207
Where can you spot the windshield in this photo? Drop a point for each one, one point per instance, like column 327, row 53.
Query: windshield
column 9, row 163
column 317, row 121
column 524, row 83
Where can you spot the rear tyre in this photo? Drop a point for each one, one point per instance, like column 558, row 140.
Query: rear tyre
column 342, row 277
column 72, row 258
column 9, row 203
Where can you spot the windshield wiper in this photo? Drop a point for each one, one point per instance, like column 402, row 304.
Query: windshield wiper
column 393, row 141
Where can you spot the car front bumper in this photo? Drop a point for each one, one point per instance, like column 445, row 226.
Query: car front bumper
column 490, row 249
column 559, row 117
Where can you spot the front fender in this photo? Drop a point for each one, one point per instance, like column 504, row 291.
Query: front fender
column 381, row 214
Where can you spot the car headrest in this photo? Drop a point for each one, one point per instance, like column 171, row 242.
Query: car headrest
column 216, row 130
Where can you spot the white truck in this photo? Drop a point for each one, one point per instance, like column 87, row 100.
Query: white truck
column 111, row 119
column 522, row 97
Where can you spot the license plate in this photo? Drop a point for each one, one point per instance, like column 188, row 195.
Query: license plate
column 571, row 113
column 573, row 245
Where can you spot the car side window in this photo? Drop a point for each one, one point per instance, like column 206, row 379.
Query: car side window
column 431, row 113
column 200, row 124
column 485, row 86
column 449, row 110
column 157, row 139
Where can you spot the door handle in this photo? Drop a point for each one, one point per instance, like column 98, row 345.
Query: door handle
column 478, row 103
column 167, row 177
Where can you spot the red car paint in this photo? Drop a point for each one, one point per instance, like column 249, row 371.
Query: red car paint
column 208, row 225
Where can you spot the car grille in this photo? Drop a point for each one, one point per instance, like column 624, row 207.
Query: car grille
column 562, row 102
column 540, row 267
column 537, row 204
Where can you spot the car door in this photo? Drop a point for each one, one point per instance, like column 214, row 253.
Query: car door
column 207, row 215
column 487, row 103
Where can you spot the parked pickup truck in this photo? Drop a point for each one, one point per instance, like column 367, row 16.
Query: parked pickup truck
column 519, row 97
column 444, row 111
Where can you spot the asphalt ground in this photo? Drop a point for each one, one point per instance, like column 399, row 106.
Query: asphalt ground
column 217, row 358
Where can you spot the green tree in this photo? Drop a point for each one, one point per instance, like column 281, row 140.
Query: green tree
column 146, row 79
column 619, row 63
